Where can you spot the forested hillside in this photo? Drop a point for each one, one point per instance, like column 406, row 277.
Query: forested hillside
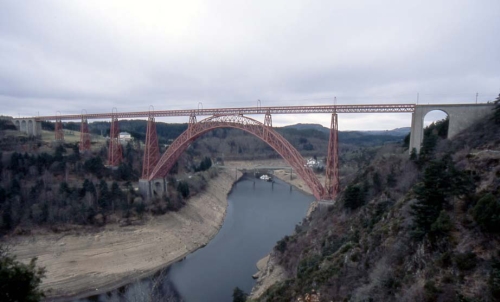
column 407, row 228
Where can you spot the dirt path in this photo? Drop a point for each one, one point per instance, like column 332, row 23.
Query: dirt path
column 81, row 265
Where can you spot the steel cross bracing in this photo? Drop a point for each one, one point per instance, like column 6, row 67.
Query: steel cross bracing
column 264, row 132
column 332, row 160
column 114, row 148
column 380, row 108
column 84, row 135
column 151, row 149
column 59, row 132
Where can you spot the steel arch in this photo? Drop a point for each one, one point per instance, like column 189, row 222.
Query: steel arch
column 265, row 133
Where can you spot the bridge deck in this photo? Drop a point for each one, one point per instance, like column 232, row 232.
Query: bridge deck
column 242, row 111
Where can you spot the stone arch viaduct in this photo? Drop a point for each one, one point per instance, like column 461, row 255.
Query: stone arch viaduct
column 30, row 126
column 156, row 168
column 461, row 116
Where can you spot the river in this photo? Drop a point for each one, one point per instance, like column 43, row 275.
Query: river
column 259, row 213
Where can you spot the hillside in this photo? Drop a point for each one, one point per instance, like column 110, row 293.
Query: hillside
column 405, row 229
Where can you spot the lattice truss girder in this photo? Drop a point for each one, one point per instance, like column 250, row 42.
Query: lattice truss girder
column 84, row 135
column 115, row 148
column 151, row 149
column 367, row 108
column 332, row 162
column 267, row 134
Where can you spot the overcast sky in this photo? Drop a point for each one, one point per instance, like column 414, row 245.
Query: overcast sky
column 95, row 55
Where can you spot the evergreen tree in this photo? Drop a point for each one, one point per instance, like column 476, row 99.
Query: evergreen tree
column 428, row 146
column 58, row 155
column 441, row 181
column 183, row 188
column 494, row 280
column 354, row 197
column 3, row 195
column 496, row 114
column 487, row 213
column 413, row 155
column 1, row 165
column 18, row 281
column 239, row 295
column 391, row 178
column 104, row 196
column 377, row 182
column 64, row 189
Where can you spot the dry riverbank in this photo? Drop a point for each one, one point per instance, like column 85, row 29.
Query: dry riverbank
column 269, row 272
column 85, row 264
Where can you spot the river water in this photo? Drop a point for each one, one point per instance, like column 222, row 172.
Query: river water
column 259, row 213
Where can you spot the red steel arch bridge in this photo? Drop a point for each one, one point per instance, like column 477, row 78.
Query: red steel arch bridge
column 156, row 166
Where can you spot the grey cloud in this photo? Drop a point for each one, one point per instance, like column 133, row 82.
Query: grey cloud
column 97, row 55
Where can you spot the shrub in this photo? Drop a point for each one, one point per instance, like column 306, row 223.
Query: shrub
column 281, row 245
column 487, row 213
column 183, row 189
column 354, row 197
column 494, row 280
column 431, row 291
column 443, row 225
column 466, row 261
column 307, row 266
column 18, row 281
column 496, row 114
column 239, row 295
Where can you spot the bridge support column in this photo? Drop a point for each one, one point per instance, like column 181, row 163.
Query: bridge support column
column 59, row 133
column 155, row 188
column 84, row 135
column 38, row 128
column 332, row 161
column 151, row 149
column 417, row 130
column 192, row 121
column 268, row 124
column 115, row 148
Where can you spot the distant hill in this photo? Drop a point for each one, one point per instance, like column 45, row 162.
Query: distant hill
column 394, row 132
column 300, row 126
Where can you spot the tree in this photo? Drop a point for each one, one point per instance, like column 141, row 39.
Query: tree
column 1, row 165
column 117, row 196
column 494, row 279
column 413, row 155
column 377, row 182
column 205, row 164
column 18, row 281
column 354, row 197
column 487, row 213
column 496, row 114
column 391, row 178
column 58, row 155
column 104, row 196
column 94, row 166
column 239, row 295
column 183, row 188
column 441, row 181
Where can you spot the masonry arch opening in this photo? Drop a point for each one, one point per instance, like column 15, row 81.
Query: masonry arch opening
column 436, row 122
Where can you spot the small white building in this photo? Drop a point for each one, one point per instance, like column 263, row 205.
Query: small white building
column 125, row 136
